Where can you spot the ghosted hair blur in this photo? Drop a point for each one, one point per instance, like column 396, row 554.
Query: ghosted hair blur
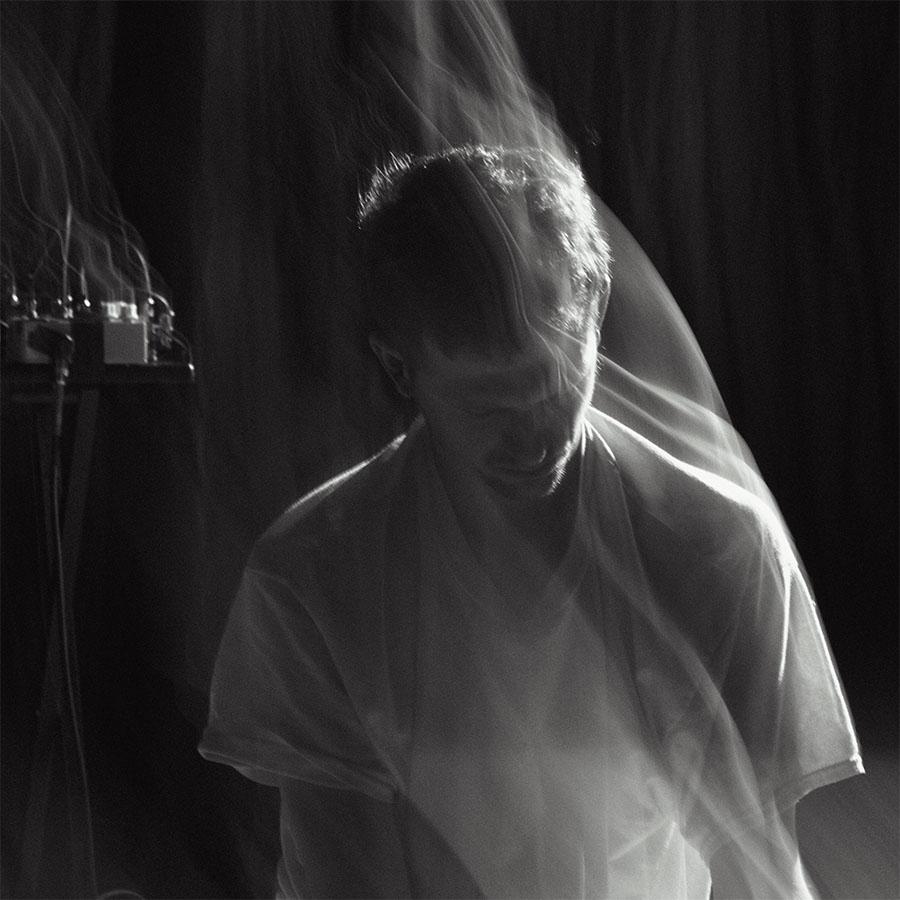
column 478, row 248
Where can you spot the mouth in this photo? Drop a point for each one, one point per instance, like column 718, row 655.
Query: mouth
column 541, row 477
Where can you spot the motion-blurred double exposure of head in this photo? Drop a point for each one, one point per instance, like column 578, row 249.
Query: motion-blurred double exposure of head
column 487, row 282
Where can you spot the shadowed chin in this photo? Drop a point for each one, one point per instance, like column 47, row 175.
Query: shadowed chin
column 515, row 487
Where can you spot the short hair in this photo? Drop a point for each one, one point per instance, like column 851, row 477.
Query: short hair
column 454, row 244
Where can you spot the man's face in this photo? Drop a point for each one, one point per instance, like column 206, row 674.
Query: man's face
column 510, row 421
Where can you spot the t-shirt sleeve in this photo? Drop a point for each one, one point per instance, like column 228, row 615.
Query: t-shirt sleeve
column 779, row 725
column 782, row 690
column 278, row 706
column 735, row 673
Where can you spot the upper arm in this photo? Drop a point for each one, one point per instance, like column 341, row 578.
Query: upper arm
column 279, row 705
column 343, row 843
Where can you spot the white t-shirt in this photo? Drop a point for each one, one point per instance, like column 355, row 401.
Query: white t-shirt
column 669, row 688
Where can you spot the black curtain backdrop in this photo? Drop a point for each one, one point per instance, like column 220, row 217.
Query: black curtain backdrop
column 751, row 148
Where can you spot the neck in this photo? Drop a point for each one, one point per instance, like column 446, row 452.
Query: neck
column 531, row 532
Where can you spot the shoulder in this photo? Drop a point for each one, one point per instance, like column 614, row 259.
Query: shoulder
column 680, row 508
column 717, row 563
column 337, row 517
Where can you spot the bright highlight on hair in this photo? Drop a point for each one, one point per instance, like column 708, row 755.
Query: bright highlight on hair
column 475, row 245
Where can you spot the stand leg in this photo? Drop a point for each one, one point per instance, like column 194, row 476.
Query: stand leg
column 55, row 717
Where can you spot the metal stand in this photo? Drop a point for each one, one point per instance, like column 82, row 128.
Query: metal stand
column 55, row 765
column 56, row 735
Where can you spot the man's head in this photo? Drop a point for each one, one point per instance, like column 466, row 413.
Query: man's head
column 469, row 246
column 487, row 279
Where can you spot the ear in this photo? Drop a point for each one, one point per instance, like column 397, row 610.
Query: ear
column 393, row 363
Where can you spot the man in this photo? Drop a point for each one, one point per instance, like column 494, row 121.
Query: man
column 522, row 651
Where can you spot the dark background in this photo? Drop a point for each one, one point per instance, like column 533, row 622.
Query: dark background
column 752, row 151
